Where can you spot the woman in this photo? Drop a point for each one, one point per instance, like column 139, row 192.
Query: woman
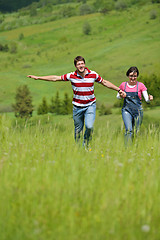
column 132, row 112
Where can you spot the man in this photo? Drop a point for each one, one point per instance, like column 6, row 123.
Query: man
column 84, row 101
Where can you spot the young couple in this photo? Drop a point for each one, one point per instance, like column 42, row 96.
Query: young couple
column 84, row 101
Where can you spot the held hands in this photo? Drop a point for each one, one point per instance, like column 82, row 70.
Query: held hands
column 32, row 76
column 122, row 94
column 150, row 97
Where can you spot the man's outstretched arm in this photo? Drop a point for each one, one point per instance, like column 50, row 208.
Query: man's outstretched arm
column 114, row 87
column 52, row 78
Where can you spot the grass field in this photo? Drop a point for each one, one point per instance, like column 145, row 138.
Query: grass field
column 51, row 188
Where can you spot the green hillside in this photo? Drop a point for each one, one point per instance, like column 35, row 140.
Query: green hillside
column 117, row 40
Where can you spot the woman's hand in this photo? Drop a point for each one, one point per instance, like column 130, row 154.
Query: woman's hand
column 150, row 97
column 122, row 94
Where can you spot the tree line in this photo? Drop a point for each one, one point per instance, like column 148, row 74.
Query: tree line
column 11, row 6
column 43, row 11
column 101, row 5
column 23, row 106
column 56, row 105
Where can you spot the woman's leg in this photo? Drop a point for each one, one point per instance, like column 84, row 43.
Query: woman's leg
column 138, row 121
column 129, row 125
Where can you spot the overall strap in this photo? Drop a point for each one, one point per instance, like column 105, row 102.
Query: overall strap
column 137, row 86
column 125, row 86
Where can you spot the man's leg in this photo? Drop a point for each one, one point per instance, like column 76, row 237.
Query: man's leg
column 90, row 114
column 78, row 117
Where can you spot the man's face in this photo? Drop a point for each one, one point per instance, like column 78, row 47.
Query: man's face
column 80, row 66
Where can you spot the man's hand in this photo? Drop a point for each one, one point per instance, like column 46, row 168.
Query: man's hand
column 32, row 76
column 122, row 94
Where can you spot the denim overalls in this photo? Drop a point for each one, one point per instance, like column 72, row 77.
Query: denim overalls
column 132, row 112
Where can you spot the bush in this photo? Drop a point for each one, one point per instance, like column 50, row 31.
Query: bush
column 118, row 103
column 33, row 11
column 4, row 48
column 85, row 9
column 1, row 19
column 104, row 11
column 13, row 48
column 120, row 5
column 153, row 14
column 152, row 82
column 21, row 36
column 86, row 28
column 103, row 6
column 103, row 110
column 67, row 12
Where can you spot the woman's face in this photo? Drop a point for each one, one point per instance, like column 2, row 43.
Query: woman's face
column 132, row 78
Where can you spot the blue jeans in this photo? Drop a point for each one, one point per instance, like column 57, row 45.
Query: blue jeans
column 130, row 122
column 83, row 115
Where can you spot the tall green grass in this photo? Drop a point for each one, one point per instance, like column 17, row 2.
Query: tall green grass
column 51, row 188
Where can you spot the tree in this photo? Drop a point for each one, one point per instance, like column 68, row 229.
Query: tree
column 23, row 107
column 103, row 5
column 86, row 28
column 103, row 110
column 57, row 104
column 10, row 6
column 52, row 106
column 66, row 105
column 43, row 107
column 152, row 82
column 85, row 9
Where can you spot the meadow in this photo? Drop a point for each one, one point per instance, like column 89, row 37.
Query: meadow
column 52, row 188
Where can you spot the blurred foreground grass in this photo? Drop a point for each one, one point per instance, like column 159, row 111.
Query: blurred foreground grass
column 51, row 188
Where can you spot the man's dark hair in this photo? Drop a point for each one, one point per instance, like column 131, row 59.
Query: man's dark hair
column 77, row 59
column 132, row 69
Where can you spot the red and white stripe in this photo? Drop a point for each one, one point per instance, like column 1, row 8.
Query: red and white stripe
column 83, row 88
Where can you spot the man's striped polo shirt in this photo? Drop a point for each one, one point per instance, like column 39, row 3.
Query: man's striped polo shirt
column 83, row 88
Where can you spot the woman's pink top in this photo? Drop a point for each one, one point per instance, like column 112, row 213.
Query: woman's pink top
column 141, row 88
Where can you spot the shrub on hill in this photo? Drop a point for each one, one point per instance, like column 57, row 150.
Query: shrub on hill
column 23, row 107
column 118, row 103
column 4, row 48
column 120, row 5
column 57, row 106
column 103, row 110
column 66, row 105
column 153, row 14
column 152, row 82
column 85, row 9
column 43, row 107
column 86, row 28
